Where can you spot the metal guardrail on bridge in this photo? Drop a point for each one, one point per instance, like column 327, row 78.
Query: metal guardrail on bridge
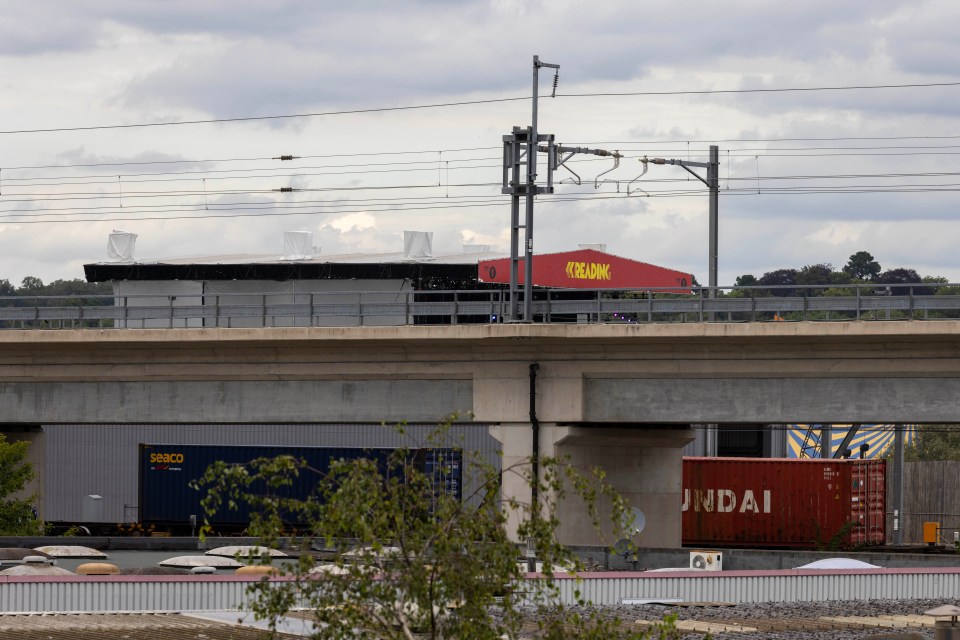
column 379, row 308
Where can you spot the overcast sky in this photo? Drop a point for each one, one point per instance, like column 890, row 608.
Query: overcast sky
column 806, row 177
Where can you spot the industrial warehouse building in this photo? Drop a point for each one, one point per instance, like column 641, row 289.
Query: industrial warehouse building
column 264, row 290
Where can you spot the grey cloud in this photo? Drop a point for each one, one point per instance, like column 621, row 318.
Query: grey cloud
column 931, row 100
column 81, row 159
column 645, row 34
column 602, row 41
column 410, row 50
column 922, row 39
column 937, row 57
column 32, row 28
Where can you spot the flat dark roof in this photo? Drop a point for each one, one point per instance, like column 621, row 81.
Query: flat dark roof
column 424, row 275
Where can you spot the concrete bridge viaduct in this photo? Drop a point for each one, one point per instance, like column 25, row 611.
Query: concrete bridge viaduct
column 621, row 396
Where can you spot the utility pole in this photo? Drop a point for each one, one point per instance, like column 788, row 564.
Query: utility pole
column 712, row 180
column 899, row 518
column 520, row 148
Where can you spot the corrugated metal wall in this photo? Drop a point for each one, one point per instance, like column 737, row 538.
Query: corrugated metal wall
column 83, row 460
column 163, row 594
column 85, row 595
column 767, row 586
column 704, row 442
column 930, row 494
column 180, row 293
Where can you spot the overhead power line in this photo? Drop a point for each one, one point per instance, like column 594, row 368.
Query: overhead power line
column 228, row 174
column 733, row 140
column 209, row 160
column 288, row 116
column 400, row 205
column 760, row 90
column 439, row 105
column 433, row 164
column 441, row 152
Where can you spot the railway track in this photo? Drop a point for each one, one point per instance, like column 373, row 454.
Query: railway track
column 853, row 619
column 794, row 621
column 820, row 624
column 721, row 621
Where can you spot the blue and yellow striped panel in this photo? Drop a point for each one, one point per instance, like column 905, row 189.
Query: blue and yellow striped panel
column 803, row 440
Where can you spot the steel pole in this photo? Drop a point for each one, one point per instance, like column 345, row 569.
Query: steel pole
column 514, row 257
column 898, row 516
column 531, row 190
column 713, row 183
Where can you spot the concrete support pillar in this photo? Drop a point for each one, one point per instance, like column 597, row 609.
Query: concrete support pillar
column 643, row 465
column 516, row 447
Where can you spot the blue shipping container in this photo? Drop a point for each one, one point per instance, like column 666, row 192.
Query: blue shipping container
column 166, row 471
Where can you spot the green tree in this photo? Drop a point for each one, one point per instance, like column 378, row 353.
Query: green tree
column 34, row 286
column 814, row 274
column 942, row 289
column 903, row 276
column 30, row 285
column 862, row 266
column 77, row 287
column 746, row 280
column 779, row 278
column 934, row 442
column 16, row 513
column 407, row 561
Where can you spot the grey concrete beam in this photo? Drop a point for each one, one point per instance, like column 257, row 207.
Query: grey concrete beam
column 771, row 400
column 235, row 401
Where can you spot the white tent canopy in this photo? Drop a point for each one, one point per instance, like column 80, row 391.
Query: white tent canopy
column 71, row 551
column 244, row 551
column 200, row 561
column 121, row 246
column 839, row 563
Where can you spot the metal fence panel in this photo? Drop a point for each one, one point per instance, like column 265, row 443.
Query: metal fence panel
column 352, row 308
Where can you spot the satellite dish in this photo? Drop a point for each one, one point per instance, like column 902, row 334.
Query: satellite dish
column 623, row 547
column 633, row 522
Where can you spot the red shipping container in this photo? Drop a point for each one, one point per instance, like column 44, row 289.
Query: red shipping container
column 787, row 503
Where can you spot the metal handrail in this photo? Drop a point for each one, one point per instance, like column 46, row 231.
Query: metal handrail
column 864, row 302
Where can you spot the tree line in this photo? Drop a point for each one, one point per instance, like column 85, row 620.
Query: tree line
column 32, row 286
column 861, row 268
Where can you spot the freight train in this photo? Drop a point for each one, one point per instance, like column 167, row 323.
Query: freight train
column 168, row 503
column 725, row 502
column 783, row 503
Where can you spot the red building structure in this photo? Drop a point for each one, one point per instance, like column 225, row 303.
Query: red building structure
column 589, row 269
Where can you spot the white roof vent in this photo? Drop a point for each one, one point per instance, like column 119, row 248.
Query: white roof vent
column 297, row 245
column 120, row 246
column 596, row 246
column 417, row 245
